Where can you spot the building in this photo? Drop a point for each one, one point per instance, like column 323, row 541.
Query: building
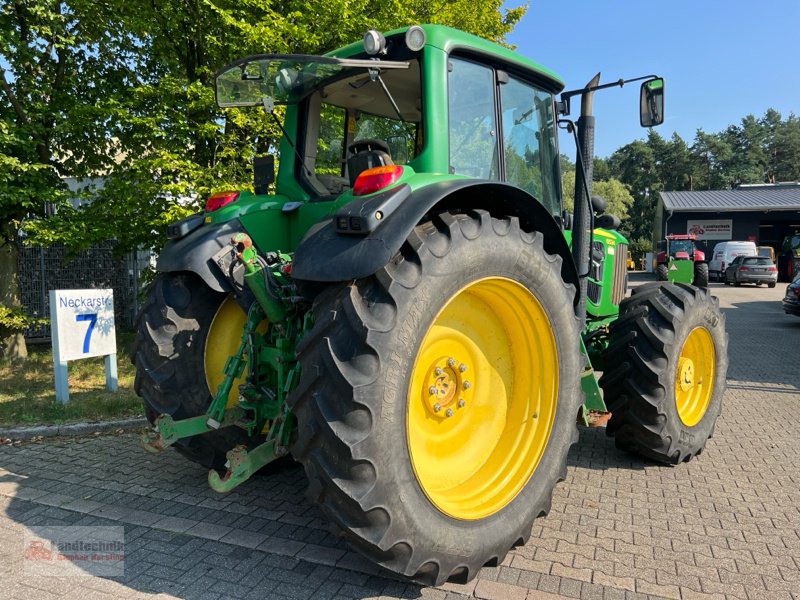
column 762, row 213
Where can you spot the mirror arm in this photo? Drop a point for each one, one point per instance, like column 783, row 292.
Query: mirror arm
column 564, row 104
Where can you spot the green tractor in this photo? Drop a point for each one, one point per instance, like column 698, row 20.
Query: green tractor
column 406, row 309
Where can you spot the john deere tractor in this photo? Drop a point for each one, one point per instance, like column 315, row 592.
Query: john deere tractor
column 679, row 260
column 406, row 309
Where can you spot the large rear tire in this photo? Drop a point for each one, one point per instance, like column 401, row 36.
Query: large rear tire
column 670, row 350
column 184, row 333
column 438, row 398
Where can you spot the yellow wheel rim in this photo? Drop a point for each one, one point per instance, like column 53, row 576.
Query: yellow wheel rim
column 224, row 336
column 482, row 398
column 694, row 376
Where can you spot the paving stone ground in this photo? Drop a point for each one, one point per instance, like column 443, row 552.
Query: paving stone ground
column 726, row 525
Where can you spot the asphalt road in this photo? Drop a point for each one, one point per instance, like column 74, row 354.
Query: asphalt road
column 726, row 525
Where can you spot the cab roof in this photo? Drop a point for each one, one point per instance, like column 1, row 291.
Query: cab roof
column 450, row 39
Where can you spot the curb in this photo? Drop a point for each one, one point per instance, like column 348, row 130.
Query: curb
column 70, row 429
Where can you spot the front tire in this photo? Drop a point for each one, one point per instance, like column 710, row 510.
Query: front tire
column 438, row 398
column 662, row 273
column 184, row 332
column 700, row 275
column 670, row 348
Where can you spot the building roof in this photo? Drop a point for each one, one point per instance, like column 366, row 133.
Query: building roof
column 761, row 197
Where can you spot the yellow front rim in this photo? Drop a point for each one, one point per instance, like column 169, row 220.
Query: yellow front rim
column 224, row 336
column 694, row 376
column 482, row 398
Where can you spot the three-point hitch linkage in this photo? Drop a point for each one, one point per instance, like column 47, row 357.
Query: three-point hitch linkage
column 259, row 406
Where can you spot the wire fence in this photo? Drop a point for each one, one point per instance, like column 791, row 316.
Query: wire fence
column 42, row 269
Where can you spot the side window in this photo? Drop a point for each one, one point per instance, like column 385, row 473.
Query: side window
column 529, row 146
column 330, row 151
column 472, row 122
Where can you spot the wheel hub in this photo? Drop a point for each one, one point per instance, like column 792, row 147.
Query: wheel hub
column 447, row 389
column 686, row 374
column 482, row 397
column 694, row 376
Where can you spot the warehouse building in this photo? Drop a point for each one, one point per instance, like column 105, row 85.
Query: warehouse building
column 762, row 213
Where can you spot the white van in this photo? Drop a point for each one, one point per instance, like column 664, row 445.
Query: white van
column 723, row 255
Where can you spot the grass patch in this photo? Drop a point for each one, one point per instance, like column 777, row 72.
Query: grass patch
column 28, row 397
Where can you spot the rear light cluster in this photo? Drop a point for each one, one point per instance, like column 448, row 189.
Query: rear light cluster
column 220, row 199
column 376, row 178
column 772, row 268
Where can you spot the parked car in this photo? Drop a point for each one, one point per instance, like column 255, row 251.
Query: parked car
column 751, row 269
column 723, row 256
column 791, row 301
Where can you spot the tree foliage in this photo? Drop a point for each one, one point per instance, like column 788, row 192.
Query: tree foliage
column 122, row 89
column 758, row 150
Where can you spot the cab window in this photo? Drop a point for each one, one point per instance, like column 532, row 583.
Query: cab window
column 473, row 130
column 502, row 127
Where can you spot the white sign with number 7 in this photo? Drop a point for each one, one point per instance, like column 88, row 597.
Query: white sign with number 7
column 82, row 326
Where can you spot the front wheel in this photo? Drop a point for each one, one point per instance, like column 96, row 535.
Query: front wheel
column 438, row 397
column 670, row 350
column 700, row 275
column 662, row 273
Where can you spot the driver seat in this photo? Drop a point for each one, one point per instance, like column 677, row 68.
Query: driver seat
column 366, row 154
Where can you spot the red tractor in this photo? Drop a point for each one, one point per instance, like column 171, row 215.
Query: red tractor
column 679, row 260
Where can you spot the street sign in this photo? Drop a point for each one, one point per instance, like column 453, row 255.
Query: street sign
column 82, row 326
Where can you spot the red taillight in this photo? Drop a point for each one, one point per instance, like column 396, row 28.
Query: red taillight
column 722, row 266
column 744, row 268
column 772, row 268
column 376, row 178
column 220, row 199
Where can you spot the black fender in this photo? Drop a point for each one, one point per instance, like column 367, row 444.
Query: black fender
column 204, row 251
column 327, row 255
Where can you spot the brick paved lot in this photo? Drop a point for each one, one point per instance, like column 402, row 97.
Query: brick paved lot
column 726, row 525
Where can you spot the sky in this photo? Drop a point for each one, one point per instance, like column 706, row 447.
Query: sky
column 721, row 60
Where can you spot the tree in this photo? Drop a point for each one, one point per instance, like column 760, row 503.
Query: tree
column 635, row 166
column 123, row 90
column 57, row 62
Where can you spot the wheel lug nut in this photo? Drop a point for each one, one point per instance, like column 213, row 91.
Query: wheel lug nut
column 535, row 415
column 449, row 412
column 466, row 385
column 451, row 362
column 462, row 367
column 437, row 407
column 432, row 390
column 461, row 403
column 438, row 371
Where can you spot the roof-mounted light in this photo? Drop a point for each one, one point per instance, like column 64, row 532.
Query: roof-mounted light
column 374, row 42
column 415, row 38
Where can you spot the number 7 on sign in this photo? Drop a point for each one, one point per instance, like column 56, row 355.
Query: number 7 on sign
column 92, row 318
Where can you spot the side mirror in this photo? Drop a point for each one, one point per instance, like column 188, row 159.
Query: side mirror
column 651, row 103
column 263, row 173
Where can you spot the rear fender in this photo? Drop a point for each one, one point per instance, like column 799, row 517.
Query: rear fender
column 204, row 251
column 324, row 255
